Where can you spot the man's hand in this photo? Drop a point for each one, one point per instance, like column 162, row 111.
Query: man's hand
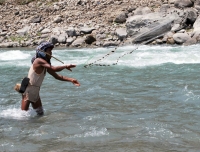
column 75, row 82
column 68, row 67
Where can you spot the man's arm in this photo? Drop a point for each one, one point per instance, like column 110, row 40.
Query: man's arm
column 63, row 78
column 53, row 69
column 45, row 64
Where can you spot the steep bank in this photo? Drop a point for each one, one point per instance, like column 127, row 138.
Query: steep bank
column 84, row 23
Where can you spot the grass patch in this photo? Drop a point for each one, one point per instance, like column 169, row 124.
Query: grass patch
column 23, row 2
column 19, row 39
column 2, row 2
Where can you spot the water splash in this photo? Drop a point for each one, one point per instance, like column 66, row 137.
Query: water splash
column 14, row 113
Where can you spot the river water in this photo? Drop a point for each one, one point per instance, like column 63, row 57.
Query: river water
column 149, row 101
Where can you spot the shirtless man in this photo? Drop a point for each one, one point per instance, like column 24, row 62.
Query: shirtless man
column 40, row 64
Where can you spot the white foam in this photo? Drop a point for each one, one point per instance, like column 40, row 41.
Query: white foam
column 141, row 57
column 152, row 56
column 92, row 132
column 13, row 55
column 18, row 114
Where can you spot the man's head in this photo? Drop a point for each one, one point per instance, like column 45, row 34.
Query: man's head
column 44, row 49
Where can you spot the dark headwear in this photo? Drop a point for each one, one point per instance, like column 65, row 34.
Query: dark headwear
column 41, row 49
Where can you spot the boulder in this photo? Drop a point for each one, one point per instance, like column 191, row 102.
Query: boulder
column 152, row 25
column 196, row 24
column 121, row 33
column 191, row 15
column 71, row 32
column 190, row 41
column 142, row 11
column 155, row 32
column 35, row 19
column 183, row 3
column 69, row 41
column 78, row 42
column 8, row 44
column 45, row 31
column 87, row 30
column 53, row 39
column 62, row 38
column 90, row 39
column 110, row 43
column 121, row 18
column 23, row 31
column 57, row 19
column 181, row 38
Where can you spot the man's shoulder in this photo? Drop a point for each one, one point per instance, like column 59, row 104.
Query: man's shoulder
column 40, row 60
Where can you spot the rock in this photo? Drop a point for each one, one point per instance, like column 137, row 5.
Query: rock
column 176, row 27
column 69, row 41
column 44, row 36
column 23, row 31
column 71, row 32
column 57, row 19
column 154, row 32
column 181, row 31
column 190, row 41
column 183, row 3
column 53, row 39
column 110, row 43
column 97, row 21
column 16, row 12
column 36, row 19
column 8, row 44
column 2, row 39
column 170, row 41
column 159, row 41
column 90, row 39
column 197, row 23
column 164, row 8
column 101, row 36
column 121, row 18
column 121, row 33
column 78, row 42
column 62, row 38
column 46, row 30
column 86, row 30
column 56, row 31
column 3, row 33
column 191, row 15
column 181, row 38
column 142, row 11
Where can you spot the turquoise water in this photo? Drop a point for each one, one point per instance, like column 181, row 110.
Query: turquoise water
column 149, row 101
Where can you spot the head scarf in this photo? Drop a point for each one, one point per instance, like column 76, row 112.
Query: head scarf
column 40, row 51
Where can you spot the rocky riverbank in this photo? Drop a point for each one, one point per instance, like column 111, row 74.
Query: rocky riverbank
column 97, row 23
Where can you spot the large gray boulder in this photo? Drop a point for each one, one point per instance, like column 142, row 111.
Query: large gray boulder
column 156, row 32
column 153, row 25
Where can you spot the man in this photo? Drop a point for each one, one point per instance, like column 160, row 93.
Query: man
column 40, row 64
